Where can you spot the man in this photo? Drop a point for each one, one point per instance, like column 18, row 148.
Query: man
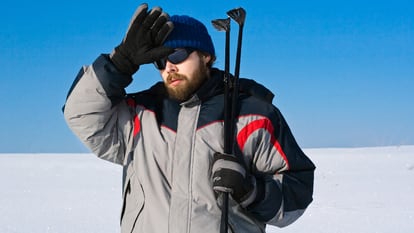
column 169, row 138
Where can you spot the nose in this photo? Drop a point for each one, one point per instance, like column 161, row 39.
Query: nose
column 170, row 67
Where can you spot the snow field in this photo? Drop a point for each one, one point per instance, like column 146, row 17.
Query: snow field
column 364, row 190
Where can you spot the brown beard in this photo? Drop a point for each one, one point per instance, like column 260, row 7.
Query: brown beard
column 189, row 87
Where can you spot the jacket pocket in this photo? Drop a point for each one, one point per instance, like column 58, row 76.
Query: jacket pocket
column 133, row 203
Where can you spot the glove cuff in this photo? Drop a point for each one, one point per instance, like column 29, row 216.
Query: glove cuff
column 122, row 63
column 250, row 197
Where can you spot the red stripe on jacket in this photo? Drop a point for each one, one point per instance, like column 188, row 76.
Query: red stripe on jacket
column 265, row 124
column 137, row 123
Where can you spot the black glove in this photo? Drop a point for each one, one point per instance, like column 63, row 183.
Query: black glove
column 229, row 175
column 142, row 43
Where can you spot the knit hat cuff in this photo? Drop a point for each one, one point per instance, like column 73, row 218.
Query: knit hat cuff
column 189, row 32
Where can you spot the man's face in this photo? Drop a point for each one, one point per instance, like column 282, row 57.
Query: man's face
column 183, row 79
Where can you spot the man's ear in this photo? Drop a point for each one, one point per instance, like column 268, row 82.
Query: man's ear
column 206, row 58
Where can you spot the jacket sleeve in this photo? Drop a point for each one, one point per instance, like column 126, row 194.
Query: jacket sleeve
column 284, row 173
column 95, row 110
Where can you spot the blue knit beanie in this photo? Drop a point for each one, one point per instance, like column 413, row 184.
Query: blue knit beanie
column 189, row 32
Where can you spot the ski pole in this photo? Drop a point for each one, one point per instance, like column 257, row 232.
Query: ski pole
column 238, row 15
column 230, row 100
column 224, row 25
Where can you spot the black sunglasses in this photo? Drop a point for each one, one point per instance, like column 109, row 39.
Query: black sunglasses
column 178, row 56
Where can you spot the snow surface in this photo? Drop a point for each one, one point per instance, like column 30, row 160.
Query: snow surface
column 358, row 190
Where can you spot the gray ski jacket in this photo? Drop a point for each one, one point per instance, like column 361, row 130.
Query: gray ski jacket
column 166, row 149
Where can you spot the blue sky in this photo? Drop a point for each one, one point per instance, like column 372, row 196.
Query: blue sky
column 342, row 71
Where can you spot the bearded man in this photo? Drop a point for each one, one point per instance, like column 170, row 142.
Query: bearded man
column 169, row 138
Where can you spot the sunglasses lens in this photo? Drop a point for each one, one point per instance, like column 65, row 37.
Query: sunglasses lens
column 175, row 58
column 160, row 64
column 178, row 56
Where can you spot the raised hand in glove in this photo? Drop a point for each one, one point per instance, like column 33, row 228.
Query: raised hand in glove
column 229, row 175
column 142, row 43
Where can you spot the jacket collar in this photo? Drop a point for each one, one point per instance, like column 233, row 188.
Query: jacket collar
column 211, row 87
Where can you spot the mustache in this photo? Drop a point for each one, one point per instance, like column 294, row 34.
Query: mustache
column 174, row 76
